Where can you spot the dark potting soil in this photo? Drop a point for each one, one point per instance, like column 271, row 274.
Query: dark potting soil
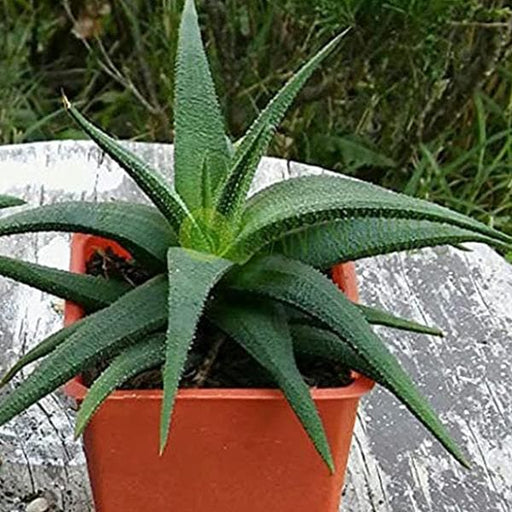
column 214, row 361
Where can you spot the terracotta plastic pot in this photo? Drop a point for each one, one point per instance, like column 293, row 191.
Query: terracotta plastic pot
column 230, row 450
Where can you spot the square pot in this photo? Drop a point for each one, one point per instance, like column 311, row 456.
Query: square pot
column 239, row 450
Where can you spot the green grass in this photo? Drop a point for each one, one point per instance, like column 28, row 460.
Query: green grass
column 417, row 98
column 470, row 172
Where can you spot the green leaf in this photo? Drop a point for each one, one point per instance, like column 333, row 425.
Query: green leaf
column 192, row 275
column 319, row 342
column 140, row 229
column 239, row 180
column 255, row 143
column 10, row 201
column 101, row 335
column 372, row 316
column 350, row 239
column 206, row 186
column 262, row 330
column 313, row 201
column 199, row 127
column 148, row 179
column 90, row 292
column 308, row 290
column 42, row 349
column 379, row 317
column 133, row 360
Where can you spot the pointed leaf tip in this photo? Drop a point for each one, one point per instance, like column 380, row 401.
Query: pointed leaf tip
column 65, row 101
column 150, row 181
column 10, row 201
column 465, row 463
column 257, row 139
column 379, row 317
column 198, row 121
column 306, row 289
column 260, row 327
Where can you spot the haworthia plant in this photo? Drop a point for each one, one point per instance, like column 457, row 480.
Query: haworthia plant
column 250, row 267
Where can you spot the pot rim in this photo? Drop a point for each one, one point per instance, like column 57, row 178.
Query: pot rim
column 77, row 390
column 357, row 388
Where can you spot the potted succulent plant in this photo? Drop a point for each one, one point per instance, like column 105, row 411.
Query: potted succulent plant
column 223, row 273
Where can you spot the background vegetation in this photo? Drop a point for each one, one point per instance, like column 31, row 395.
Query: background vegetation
column 419, row 97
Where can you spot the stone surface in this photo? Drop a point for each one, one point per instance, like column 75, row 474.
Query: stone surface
column 395, row 466
column 38, row 505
